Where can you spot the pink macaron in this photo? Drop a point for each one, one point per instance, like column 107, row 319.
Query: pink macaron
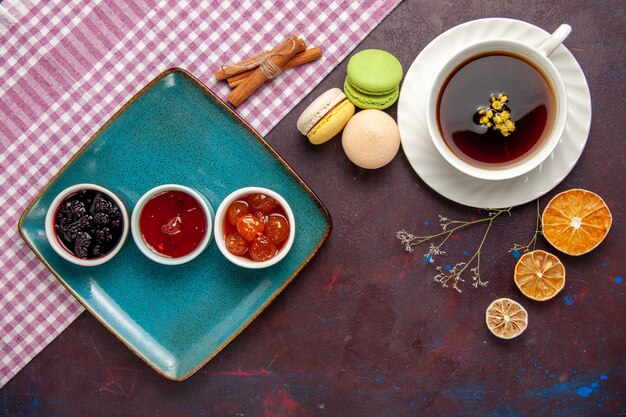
column 371, row 139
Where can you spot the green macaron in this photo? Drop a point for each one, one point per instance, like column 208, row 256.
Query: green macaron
column 370, row 101
column 373, row 79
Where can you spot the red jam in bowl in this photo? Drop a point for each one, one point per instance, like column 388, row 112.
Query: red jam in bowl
column 172, row 223
column 255, row 227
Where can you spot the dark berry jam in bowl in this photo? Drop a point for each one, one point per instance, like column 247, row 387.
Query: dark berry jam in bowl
column 87, row 224
column 254, row 227
column 172, row 224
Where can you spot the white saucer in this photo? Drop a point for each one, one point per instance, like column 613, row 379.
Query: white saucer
column 452, row 183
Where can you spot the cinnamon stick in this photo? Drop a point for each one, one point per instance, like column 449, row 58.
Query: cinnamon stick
column 278, row 59
column 230, row 70
column 311, row 54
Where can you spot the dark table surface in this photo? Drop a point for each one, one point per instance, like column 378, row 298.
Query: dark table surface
column 364, row 330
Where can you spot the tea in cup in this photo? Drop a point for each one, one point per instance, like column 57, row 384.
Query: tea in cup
column 497, row 109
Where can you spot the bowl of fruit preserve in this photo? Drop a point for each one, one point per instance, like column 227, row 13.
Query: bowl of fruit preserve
column 171, row 224
column 254, row 227
column 86, row 224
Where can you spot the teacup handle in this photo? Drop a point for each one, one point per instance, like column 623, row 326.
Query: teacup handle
column 558, row 36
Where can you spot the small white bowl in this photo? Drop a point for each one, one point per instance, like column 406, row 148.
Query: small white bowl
column 53, row 238
column 219, row 228
column 143, row 246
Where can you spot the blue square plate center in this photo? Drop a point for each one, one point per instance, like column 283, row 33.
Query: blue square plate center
column 176, row 318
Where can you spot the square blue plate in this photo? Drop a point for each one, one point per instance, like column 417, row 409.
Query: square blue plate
column 176, row 318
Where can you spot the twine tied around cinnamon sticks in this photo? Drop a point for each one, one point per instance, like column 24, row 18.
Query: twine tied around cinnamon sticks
column 262, row 60
column 248, row 75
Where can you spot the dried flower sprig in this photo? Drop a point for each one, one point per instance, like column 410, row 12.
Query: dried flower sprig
column 453, row 274
column 533, row 242
column 497, row 116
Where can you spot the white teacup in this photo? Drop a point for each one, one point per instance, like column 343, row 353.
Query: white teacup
column 538, row 56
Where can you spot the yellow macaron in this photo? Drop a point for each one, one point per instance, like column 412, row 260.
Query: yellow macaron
column 326, row 116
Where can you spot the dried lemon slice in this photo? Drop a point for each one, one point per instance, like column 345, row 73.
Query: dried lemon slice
column 506, row 318
column 576, row 221
column 539, row 275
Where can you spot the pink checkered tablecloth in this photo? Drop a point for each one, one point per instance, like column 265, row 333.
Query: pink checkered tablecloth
column 66, row 66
